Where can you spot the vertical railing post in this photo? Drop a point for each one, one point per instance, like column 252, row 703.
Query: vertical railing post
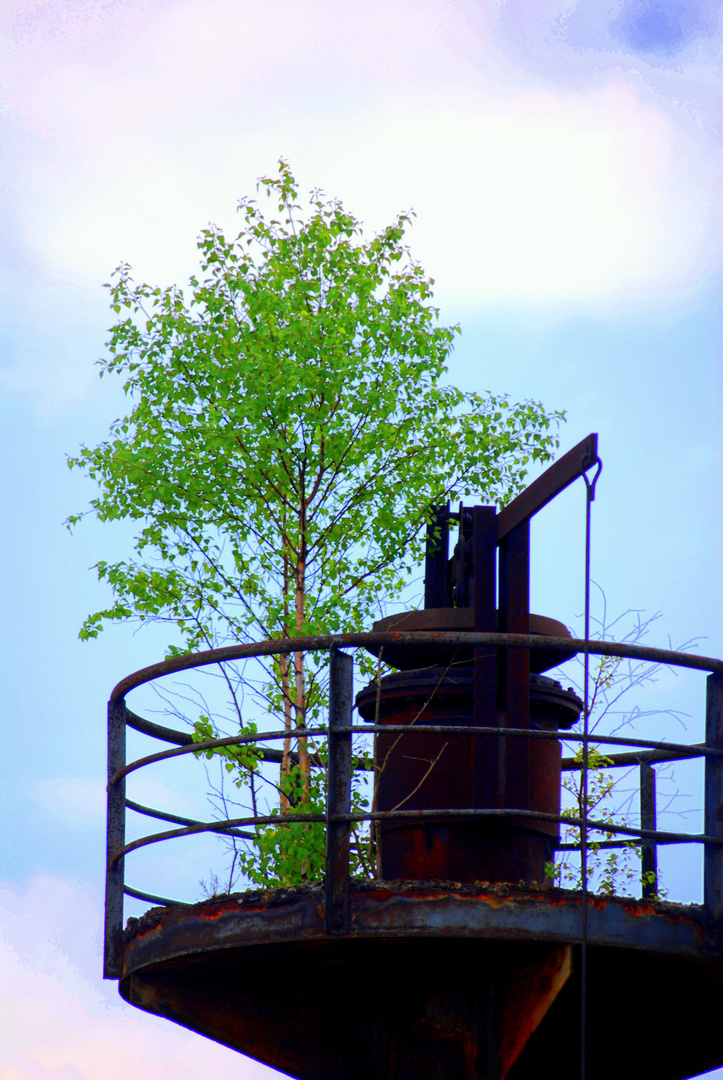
column 487, row 764
column 713, row 865
column 115, row 839
column 436, row 559
column 338, row 799
column 648, row 848
column 514, row 685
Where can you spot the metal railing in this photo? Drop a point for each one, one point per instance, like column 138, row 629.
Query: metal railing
column 340, row 730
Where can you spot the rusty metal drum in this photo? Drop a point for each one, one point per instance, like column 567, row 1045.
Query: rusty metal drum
column 436, row 770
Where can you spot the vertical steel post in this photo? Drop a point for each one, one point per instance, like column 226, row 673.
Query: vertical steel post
column 436, row 573
column 649, row 849
column 484, row 568
column 488, row 760
column 713, row 865
column 115, row 839
column 514, row 697
column 338, row 799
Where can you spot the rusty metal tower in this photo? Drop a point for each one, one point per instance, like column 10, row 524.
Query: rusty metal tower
column 457, row 962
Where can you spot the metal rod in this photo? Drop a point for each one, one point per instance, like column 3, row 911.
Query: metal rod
column 181, row 738
column 338, row 802
column 667, row 750
column 211, row 744
column 325, row 642
column 612, row 844
column 436, row 586
column 684, row 749
column 488, row 763
column 514, row 684
column 115, row 840
column 621, row 761
column 586, row 462
column 713, row 859
column 184, row 738
column 162, row 815
column 157, row 731
column 164, row 901
column 414, row 815
column 649, row 853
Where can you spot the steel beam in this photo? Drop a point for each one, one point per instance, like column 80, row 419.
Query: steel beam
column 713, row 865
column 514, row 682
column 488, row 763
column 542, row 490
column 336, row 894
column 115, row 839
column 436, row 573
column 649, row 850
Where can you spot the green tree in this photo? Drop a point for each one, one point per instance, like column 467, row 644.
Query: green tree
column 611, row 794
column 290, row 428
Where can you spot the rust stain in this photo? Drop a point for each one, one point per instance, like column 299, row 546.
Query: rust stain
column 494, row 898
column 639, row 910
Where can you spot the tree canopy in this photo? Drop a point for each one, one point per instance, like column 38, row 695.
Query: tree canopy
column 289, row 428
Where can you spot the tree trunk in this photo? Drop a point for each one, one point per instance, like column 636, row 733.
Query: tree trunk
column 299, row 686
column 286, row 758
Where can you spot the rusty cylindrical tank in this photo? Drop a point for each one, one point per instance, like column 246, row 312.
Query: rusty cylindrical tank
column 463, row 771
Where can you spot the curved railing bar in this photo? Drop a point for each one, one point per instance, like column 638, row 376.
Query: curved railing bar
column 610, row 844
column 211, row 744
column 651, row 757
column 700, row 750
column 686, row 750
column 183, row 738
column 152, row 898
column 149, row 811
column 660, row 836
column 157, row 731
column 230, row 827
column 326, row 642
column 622, row 760
column 218, row 827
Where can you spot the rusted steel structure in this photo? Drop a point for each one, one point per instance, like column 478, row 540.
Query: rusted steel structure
column 444, row 770
column 457, row 964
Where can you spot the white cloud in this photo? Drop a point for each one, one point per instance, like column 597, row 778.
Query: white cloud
column 523, row 194
column 124, row 142
column 59, row 1022
column 543, row 198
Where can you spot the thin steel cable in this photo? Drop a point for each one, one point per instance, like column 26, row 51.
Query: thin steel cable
column 589, row 497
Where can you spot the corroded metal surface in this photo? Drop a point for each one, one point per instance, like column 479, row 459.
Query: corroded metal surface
column 535, row 915
column 446, row 770
column 258, row 973
column 428, row 977
column 413, row 910
column 406, row 656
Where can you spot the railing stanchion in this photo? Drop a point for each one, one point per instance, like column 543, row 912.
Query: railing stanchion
column 648, row 848
column 338, row 800
column 115, row 839
column 713, row 873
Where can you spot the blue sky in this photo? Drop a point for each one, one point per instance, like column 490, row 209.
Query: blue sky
column 563, row 159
